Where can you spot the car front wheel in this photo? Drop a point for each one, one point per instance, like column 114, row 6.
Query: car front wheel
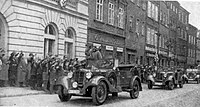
column 99, row 93
column 135, row 88
column 197, row 81
column 63, row 97
column 150, row 85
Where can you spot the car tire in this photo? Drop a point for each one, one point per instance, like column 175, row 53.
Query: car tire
column 170, row 85
column 135, row 90
column 99, row 93
column 150, row 85
column 197, row 81
column 63, row 97
column 114, row 94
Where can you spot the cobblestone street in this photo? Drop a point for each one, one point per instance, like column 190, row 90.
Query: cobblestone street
column 188, row 96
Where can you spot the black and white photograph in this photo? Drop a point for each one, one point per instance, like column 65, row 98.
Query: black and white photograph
column 100, row 53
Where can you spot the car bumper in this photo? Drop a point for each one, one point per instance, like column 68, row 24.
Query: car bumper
column 158, row 83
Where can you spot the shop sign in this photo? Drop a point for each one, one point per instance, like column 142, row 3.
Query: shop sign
column 150, row 55
column 109, row 48
column 150, row 49
column 119, row 49
column 97, row 45
column 109, row 40
column 163, row 52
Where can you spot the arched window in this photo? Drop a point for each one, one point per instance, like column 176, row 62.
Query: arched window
column 50, row 40
column 68, row 43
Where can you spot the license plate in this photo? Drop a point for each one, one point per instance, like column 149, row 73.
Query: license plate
column 190, row 79
column 158, row 83
column 74, row 91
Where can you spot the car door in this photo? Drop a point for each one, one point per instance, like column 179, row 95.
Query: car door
column 125, row 76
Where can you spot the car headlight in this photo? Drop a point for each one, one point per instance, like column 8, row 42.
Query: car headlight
column 70, row 75
column 154, row 74
column 74, row 84
column 88, row 75
column 165, row 75
column 198, row 76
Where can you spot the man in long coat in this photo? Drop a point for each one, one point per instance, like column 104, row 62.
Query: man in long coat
column 21, row 70
column 3, row 69
column 12, row 71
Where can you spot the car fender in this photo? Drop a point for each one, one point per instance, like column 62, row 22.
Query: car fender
column 150, row 78
column 63, row 81
column 185, row 76
column 197, row 76
column 138, row 79
column 95, row 81
column 170, row 78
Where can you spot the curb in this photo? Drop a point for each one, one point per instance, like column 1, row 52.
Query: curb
column 3, row 96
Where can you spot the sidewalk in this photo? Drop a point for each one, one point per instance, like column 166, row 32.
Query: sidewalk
column 18, row 91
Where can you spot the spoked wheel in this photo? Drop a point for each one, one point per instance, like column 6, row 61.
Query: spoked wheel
column 63, row 97
column 99, row 93
column 150, row 85
column 134, row 93
column 171, row 85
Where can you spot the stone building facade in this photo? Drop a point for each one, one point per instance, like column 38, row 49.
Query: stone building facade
column 106, row 27
column 44, row 27
column 192, row 46
column 198, row 47
column 164, row 45
column 152, row 27
column 181, row 46
column 136, row 31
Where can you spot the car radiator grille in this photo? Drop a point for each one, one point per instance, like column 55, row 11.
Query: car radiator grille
column 191, row 75
column 79, row 77
column 159, row 76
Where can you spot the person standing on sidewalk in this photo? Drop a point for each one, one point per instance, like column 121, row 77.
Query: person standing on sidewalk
column 21, row 70
column 3, row 68
column 12, row 71
column 31, row 76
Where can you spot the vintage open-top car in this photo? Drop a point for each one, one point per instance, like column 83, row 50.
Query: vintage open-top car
column 192, row 75
column 99, row 81
column 169, row 78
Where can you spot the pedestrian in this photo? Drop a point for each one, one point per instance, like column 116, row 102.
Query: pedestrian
column 46, row 70
column 39, row 72
column 12, row 71
column 21, row 70
column 3, row 69
column 65, row 63
column 31, row 75
column 52, row 73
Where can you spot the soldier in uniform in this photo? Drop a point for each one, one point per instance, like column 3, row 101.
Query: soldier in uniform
column 3, row 68
column 21, row 70
column 12, row 71
column 52, row 72
column 31, row 76
column 45, row 74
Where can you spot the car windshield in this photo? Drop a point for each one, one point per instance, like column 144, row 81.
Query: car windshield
column 192, row 70
column 104, row 63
